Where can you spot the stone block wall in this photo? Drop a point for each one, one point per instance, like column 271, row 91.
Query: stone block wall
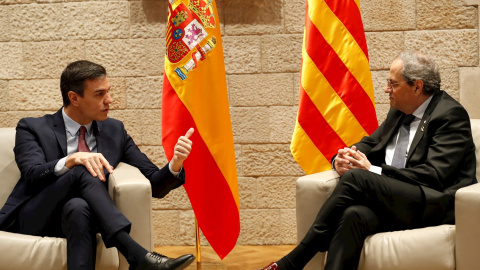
column 262, row 46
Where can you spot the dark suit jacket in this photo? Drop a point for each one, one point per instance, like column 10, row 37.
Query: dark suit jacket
column 441, row 158
column 41, row 142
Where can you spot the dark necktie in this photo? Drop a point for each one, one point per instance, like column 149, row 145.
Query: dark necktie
column 400, row 153
column 82, row 144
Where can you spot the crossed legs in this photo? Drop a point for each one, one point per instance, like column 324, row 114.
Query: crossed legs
column 361, row 204
column 75, row 206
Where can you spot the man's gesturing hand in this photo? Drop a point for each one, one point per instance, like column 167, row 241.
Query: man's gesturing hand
column 182, row 150
column 94, row 162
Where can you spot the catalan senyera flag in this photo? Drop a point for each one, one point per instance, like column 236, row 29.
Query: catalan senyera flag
column 336, row 100
column 195, row 95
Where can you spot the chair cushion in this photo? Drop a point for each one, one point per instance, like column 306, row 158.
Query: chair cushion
column 431, row 248
column 40, row 253
column 8, row 167
column 476, row 139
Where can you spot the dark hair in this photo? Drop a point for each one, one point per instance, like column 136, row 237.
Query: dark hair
column 417, row 66
column 74, row 76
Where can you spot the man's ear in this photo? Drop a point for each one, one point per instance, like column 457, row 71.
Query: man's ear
column 73, row 98
column 418, row 87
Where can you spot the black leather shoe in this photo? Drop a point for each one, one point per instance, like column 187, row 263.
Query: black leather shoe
column 155, row 261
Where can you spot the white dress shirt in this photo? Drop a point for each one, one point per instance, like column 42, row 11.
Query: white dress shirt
column 418, row 113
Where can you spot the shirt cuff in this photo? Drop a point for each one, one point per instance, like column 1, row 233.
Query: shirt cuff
column 376, row 169
column 172, row 171
column 60, row 168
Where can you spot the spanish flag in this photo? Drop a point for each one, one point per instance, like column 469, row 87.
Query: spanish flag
column 336, row 100
column 195, row 95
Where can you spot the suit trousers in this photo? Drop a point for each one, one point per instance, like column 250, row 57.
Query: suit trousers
column 75, row 206
column 79, row 227
column 362, row 203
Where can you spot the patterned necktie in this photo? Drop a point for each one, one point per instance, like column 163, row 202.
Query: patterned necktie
column 400, row 153
column 82, row 144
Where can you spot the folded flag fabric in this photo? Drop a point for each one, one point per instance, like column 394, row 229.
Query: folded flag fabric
column 195, row 95
column 336, row 100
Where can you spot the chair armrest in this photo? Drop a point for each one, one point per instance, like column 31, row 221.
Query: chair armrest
column 467, row 220
column 312, row 192
column 132, row 194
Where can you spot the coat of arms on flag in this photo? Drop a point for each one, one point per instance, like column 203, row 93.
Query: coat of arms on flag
column 186, row 33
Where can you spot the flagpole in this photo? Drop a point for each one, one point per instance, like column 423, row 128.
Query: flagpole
column 197, row 242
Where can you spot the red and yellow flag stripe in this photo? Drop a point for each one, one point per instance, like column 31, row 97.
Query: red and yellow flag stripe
column 336, row 104
column 197, row 97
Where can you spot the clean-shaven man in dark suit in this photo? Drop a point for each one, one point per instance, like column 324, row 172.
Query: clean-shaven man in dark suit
column 65, row 159
column 382, row 189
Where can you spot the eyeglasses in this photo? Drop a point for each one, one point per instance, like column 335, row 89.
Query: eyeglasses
column 390, row 84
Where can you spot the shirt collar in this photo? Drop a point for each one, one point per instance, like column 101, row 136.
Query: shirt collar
column 72, row 127
column 418, row 113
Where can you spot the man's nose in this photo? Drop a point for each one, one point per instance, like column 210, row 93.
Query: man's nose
column 387, row 89
column 108, row 99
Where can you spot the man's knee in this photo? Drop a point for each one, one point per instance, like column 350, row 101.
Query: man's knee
column 354, row 174
column 355, row 211
column 360, row 215
column 357, row 177
column 80, row 175
column 79, row 171
column 76, row 207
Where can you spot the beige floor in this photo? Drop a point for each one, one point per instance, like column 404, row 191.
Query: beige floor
column 240, row 258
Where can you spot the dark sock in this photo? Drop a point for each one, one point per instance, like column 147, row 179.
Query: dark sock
column 133, row 252
column 297, row 258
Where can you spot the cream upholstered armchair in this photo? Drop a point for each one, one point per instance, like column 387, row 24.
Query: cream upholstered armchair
column 130, row 191
column 444, row 247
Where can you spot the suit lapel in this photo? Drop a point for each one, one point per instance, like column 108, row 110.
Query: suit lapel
column 423, row 124
column 59, row 130
column 390, row 130
column 96, row 126
column 418, row 135
column 103, row 145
